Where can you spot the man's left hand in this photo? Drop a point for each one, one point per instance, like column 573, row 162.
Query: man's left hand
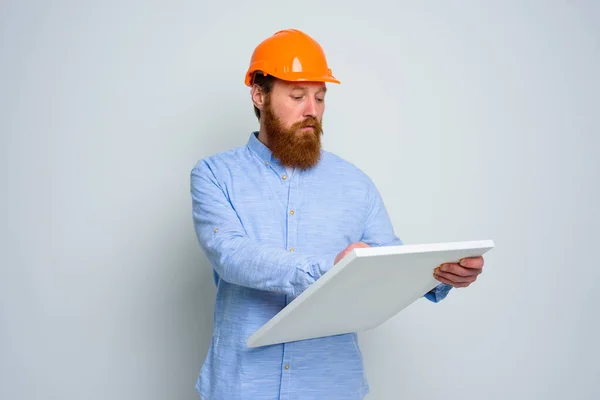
column 459, row 275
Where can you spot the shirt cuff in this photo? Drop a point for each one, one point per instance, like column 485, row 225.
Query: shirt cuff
column 311, row 271
column 438, row 293
column 320, row 265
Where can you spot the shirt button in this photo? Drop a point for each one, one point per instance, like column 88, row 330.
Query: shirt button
column 287, row 367
column 292, row 249
column 267, row 163
column 216, row 230
column 284, row 177
column 292, row 212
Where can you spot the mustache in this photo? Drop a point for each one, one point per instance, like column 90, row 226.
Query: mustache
column 308, row 122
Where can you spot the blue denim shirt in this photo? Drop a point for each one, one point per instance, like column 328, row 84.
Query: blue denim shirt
column 268, row 237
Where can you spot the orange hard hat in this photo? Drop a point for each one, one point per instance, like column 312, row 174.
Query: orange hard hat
column 290, row 55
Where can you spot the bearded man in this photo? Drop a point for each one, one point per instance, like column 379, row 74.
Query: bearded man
column 272, row 217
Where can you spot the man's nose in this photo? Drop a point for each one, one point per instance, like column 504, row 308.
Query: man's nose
column 310, row 108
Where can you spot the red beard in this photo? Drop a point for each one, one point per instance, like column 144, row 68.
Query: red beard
column 292, row 146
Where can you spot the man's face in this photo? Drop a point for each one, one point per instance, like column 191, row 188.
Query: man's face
column 292, row 116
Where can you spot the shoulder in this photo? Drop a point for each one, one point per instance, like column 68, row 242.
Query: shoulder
column 332, row 163
column 222, row 161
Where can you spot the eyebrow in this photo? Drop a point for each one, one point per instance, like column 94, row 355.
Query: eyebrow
column 305, row 88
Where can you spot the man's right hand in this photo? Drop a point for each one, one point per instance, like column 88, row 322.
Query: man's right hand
column 348, row 249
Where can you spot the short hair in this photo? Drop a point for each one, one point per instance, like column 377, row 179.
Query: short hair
column 266, row 83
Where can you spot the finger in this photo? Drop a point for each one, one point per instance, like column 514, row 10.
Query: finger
column 472, row 262
column 357, row 246
column 458, row 270
column 456, row 278
column 448, row 282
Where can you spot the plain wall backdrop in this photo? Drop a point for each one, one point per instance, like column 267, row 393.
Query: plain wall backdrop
column 476, row 120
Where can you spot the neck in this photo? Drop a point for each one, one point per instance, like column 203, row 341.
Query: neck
column 262, row 136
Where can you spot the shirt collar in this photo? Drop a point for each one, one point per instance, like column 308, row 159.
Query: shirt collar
column 259, row 148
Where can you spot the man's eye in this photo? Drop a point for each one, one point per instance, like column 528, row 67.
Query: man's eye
column 320, row 100
column 297, row 97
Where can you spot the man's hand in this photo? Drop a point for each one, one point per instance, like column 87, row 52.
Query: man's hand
column 459, row 275
column 349, row 249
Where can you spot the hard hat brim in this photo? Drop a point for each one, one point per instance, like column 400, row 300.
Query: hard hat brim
column 290, row 78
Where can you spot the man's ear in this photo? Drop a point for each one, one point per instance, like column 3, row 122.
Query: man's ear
column 258, row 97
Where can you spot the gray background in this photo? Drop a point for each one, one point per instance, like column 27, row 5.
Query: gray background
column 477, row 120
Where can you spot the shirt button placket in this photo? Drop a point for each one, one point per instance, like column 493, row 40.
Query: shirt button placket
column 292, row 234
column 292, row 216
column 291, row 228
column 286, row 371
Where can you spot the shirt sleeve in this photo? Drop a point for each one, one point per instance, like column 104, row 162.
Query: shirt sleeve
column 380, row 232
column 438, row 293
column 238, row 259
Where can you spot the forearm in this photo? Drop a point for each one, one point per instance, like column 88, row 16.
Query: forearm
column 242, row 261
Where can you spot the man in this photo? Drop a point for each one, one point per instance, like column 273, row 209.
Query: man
column 272, row 217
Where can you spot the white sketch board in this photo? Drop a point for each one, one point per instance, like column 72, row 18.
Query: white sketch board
column 363, row 290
